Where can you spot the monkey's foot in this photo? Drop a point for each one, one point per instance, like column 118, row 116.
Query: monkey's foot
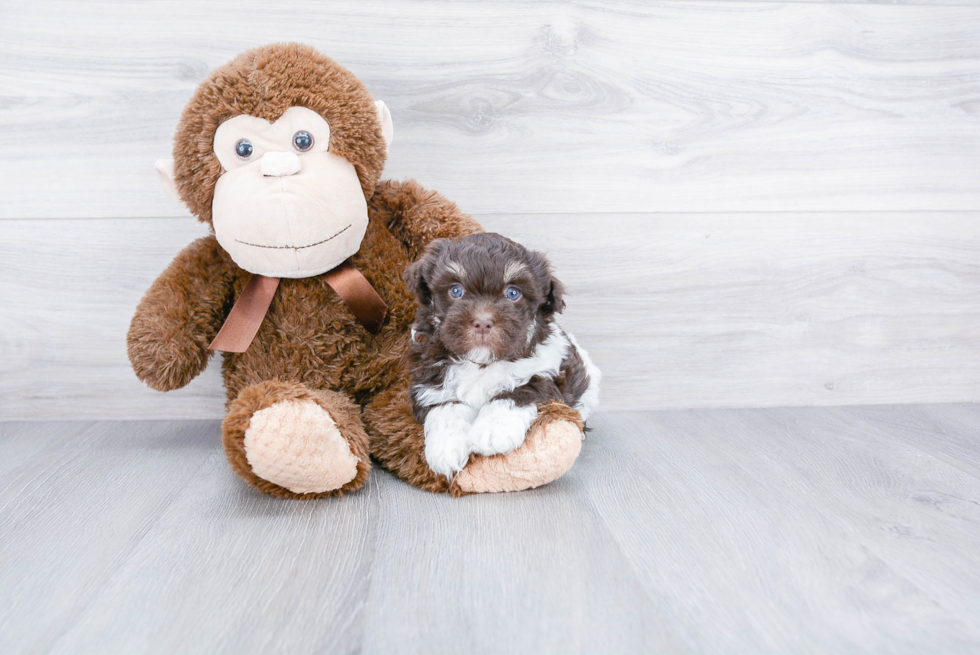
column 298, row 446
column 293, row 442
column 553, row 443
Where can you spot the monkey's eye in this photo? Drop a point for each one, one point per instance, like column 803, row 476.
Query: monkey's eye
column 512, row 293
column 302, row 140
column 243, row 148
column 456, row 291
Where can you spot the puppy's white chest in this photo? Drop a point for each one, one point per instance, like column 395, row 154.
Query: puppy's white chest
column 476, row 385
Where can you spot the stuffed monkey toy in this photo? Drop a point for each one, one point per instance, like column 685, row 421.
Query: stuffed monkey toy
column 300, row 285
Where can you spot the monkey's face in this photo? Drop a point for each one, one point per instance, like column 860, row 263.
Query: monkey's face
column 285, row 206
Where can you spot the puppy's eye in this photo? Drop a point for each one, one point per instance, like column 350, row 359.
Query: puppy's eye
column 456, row 291
column 302, row 140
column 512, row 293
column 243, row 148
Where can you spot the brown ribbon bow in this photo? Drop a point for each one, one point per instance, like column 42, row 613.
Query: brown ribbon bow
column 246, row 316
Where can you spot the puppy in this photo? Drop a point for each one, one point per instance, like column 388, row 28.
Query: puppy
column 486, row 349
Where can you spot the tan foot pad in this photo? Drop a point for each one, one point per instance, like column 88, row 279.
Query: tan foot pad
column 546, row 455
column 297, row 445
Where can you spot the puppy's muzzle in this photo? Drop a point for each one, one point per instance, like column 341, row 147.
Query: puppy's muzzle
column 483, row 326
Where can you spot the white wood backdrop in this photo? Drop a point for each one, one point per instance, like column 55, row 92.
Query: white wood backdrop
column 754, row 203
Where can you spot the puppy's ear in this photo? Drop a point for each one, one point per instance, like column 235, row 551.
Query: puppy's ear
column 418, row 274
column 555, row 290
column 415, row 279
column 555, row 302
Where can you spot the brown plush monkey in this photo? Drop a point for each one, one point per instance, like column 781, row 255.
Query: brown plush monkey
column 280, row 151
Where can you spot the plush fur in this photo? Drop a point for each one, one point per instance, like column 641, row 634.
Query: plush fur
column 265, row 82
column 258, row 397
column 298, row 446
column 309, row 348
column 552, row 445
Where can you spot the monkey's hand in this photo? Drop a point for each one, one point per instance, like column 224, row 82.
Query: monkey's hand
column 179, row 316
column 417, row 216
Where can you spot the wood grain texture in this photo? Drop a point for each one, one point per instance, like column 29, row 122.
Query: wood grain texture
column 948, row 432
column 74, row 510
column 819, row 527
column 464, row 578
column 809, row 530
column 678, row 310
column 228, row 570
column 526, row 106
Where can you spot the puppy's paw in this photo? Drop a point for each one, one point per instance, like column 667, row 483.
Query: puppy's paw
column 446, row 430
column 501, row 427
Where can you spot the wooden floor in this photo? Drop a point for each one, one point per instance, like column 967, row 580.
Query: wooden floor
column 813, row 530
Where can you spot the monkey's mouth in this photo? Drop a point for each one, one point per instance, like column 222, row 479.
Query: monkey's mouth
column 258, row 245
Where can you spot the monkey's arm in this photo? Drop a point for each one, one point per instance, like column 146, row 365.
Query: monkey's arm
column 417, row 216
column 179, row 316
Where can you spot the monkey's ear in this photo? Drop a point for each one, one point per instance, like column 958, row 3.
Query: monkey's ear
column 387, row 126
column 165, row 169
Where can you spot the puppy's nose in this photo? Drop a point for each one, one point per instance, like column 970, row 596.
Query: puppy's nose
column 280, row 164
column 483, row 325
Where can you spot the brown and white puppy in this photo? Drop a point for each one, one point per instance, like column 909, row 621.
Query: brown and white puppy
column 486, row 349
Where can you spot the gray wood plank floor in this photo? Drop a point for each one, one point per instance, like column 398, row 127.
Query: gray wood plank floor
column 807, row 530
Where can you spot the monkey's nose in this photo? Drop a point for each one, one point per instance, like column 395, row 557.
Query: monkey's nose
column 280, row 164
